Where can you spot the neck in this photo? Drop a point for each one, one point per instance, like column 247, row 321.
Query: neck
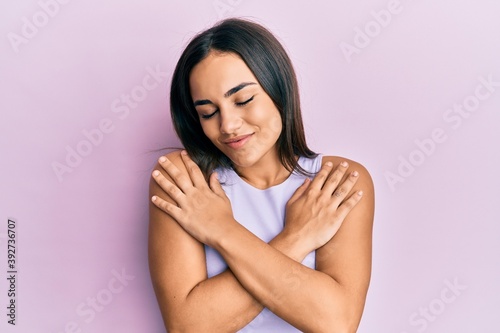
column 267, row 172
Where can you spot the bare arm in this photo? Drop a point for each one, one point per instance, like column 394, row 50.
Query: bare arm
column 347, row 257
column 188, row 300
column 316, row 303
column 329, row 299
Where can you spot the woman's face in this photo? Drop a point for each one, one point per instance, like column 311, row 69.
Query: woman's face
column 236, row 114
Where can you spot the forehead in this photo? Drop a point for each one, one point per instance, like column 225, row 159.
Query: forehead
column 218, row 73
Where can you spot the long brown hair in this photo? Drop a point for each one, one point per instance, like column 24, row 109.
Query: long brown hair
column 269, row 62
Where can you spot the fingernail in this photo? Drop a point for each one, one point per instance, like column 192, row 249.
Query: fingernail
column 162, row 159
column 355, row 173
column 360, row 193
column 344, row 164
column 156, row 173
column 329, row 164
column 184, row 152
column 154, row 198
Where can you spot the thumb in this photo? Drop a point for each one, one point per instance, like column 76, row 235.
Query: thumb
column 300, row 190
column 215, row 185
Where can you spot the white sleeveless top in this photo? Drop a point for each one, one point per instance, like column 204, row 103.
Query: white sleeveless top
column 263, row 213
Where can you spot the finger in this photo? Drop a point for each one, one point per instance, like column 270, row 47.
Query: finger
column 334, row 178
column 194, row 170
column 169, row 208
column 340, row 215
column 215, row 185
column 171, row 189
column 348, row 205
column 321, row 176
column 342, row 191
column 181, row 179
column 299, row 191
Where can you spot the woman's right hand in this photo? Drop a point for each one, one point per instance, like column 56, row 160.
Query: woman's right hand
column 318, row 207
column 202, row 209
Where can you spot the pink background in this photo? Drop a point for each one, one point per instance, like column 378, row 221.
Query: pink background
column 435, row 226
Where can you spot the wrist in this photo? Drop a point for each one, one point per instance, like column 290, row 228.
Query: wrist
column 230, row 230
column 290, row 244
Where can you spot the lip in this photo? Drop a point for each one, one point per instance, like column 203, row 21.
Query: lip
column 237, row 142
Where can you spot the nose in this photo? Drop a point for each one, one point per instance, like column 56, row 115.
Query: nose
column 230, row 121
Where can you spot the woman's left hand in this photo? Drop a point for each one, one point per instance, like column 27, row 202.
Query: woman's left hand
column 202, row 210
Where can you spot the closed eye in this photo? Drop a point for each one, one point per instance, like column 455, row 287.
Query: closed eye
column 208, row 116
column 245, row 102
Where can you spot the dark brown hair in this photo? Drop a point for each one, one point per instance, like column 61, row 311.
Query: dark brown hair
column 270, row 64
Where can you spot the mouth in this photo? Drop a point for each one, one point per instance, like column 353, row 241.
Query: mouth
column 237, row 142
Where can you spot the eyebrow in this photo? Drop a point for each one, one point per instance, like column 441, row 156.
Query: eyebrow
column 230, row 92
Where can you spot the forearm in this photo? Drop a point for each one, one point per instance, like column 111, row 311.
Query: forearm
column 310, row 300
column 221, row 304
column 330, row 298
column 218, row 304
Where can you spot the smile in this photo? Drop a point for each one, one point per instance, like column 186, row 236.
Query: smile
column 238, row 142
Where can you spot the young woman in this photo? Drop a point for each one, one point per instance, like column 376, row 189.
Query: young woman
column 250, row 230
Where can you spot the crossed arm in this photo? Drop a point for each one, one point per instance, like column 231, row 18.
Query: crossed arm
column 328, row 299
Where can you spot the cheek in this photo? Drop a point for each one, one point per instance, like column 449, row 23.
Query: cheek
column 275, row 124
column 272, row 127
column 209, row 130
column 273, row 118
column 268, row 116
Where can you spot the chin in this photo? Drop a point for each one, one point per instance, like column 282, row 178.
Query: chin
column 240, row 159
column 246, row 156
column 242, row 162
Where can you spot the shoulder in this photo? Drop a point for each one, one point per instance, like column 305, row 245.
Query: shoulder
column 175, row 158
column 365, row 181
column 353, row 165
